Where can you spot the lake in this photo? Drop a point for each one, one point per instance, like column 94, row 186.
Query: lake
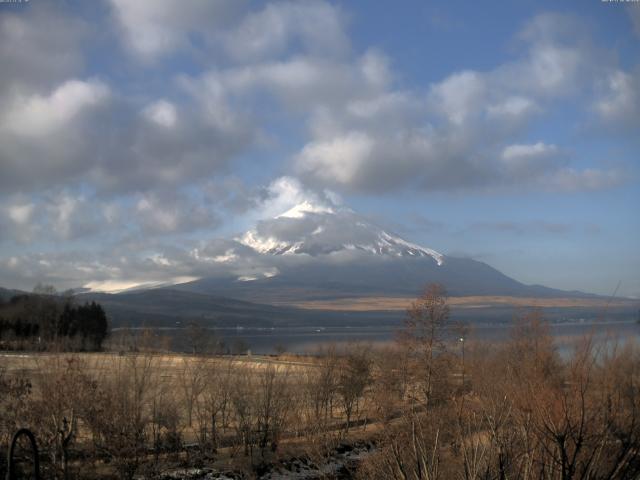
column 310, row 339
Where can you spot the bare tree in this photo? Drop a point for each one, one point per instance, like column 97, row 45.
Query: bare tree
column 119, row 414
column 62, row 388
column 192, row 382
column 424, row 336
column 165, row 419
column 354, row 378
column 243, row 409
column 411, row 451
column 273, row 400
column 391, row 379
column 213, row 407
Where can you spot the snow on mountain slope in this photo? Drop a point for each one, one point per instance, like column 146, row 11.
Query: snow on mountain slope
column 318, row 250
column 316, row 230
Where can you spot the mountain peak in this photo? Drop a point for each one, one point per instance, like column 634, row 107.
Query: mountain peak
column 314, row 230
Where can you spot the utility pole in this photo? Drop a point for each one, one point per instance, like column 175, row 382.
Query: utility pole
column 462, row 343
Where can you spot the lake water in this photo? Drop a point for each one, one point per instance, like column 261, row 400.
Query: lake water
column 310, row 339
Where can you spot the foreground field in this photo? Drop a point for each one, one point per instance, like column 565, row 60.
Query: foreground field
column 427, row 407
column 134, row 411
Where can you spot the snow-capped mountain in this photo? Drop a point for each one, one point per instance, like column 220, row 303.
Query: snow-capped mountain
column 308, row 229
column 319, row 251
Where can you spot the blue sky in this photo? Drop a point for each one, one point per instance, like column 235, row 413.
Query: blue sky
column 133, row 134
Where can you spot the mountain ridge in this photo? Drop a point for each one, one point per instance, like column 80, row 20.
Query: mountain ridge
column 313, row 252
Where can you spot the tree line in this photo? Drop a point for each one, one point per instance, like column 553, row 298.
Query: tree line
column 42, row 319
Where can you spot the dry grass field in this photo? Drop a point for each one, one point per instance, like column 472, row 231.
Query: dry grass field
column 363, row 304
column 422, row 401
column 171, row 365
column 129, row 409
column 122, row 415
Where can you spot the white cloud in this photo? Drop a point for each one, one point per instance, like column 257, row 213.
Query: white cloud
column 154, row 28
column 458, row 96
column 512, row 107
column 558, row 54
column 64, row 209
column 172, row 213
column 17, row 219
column 46, row 138
column 317, row 25
column 516, row 152
column 621, row 98
column 375, row 69
column 228, row 256
column 530, row 161
column 161, row 112
column 336, row 160
column 38, row 115
column 157, row 217
column 550, row 69
column 68, row 215
column 82, row 131
column 460, row 134
column 300, row 82
column 285, row 194
column 365, row 134
column 20, row 214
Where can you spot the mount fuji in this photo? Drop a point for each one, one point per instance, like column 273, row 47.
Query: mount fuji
column 321, row 252
column 325, row 265
column 314, row 231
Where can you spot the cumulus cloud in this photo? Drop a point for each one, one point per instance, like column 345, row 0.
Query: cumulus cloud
column 154, row 28
column 151, row 30
column 71, row 270
column 458, row 96
column 338, row 159
column 172, row 213
column 618, row 104
column 285, row 194
column 17, row 220
column 270, row 31
column 81, row 131
column 512, row 107
column 459, row 134
column 531, row 160
column 49, row 134
column 37, row 116
column 63, row 215
column 302, row 83
column 161, row 112
column 364, row 133
column 69, row 215
column 115, row 268
column 39, row 47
